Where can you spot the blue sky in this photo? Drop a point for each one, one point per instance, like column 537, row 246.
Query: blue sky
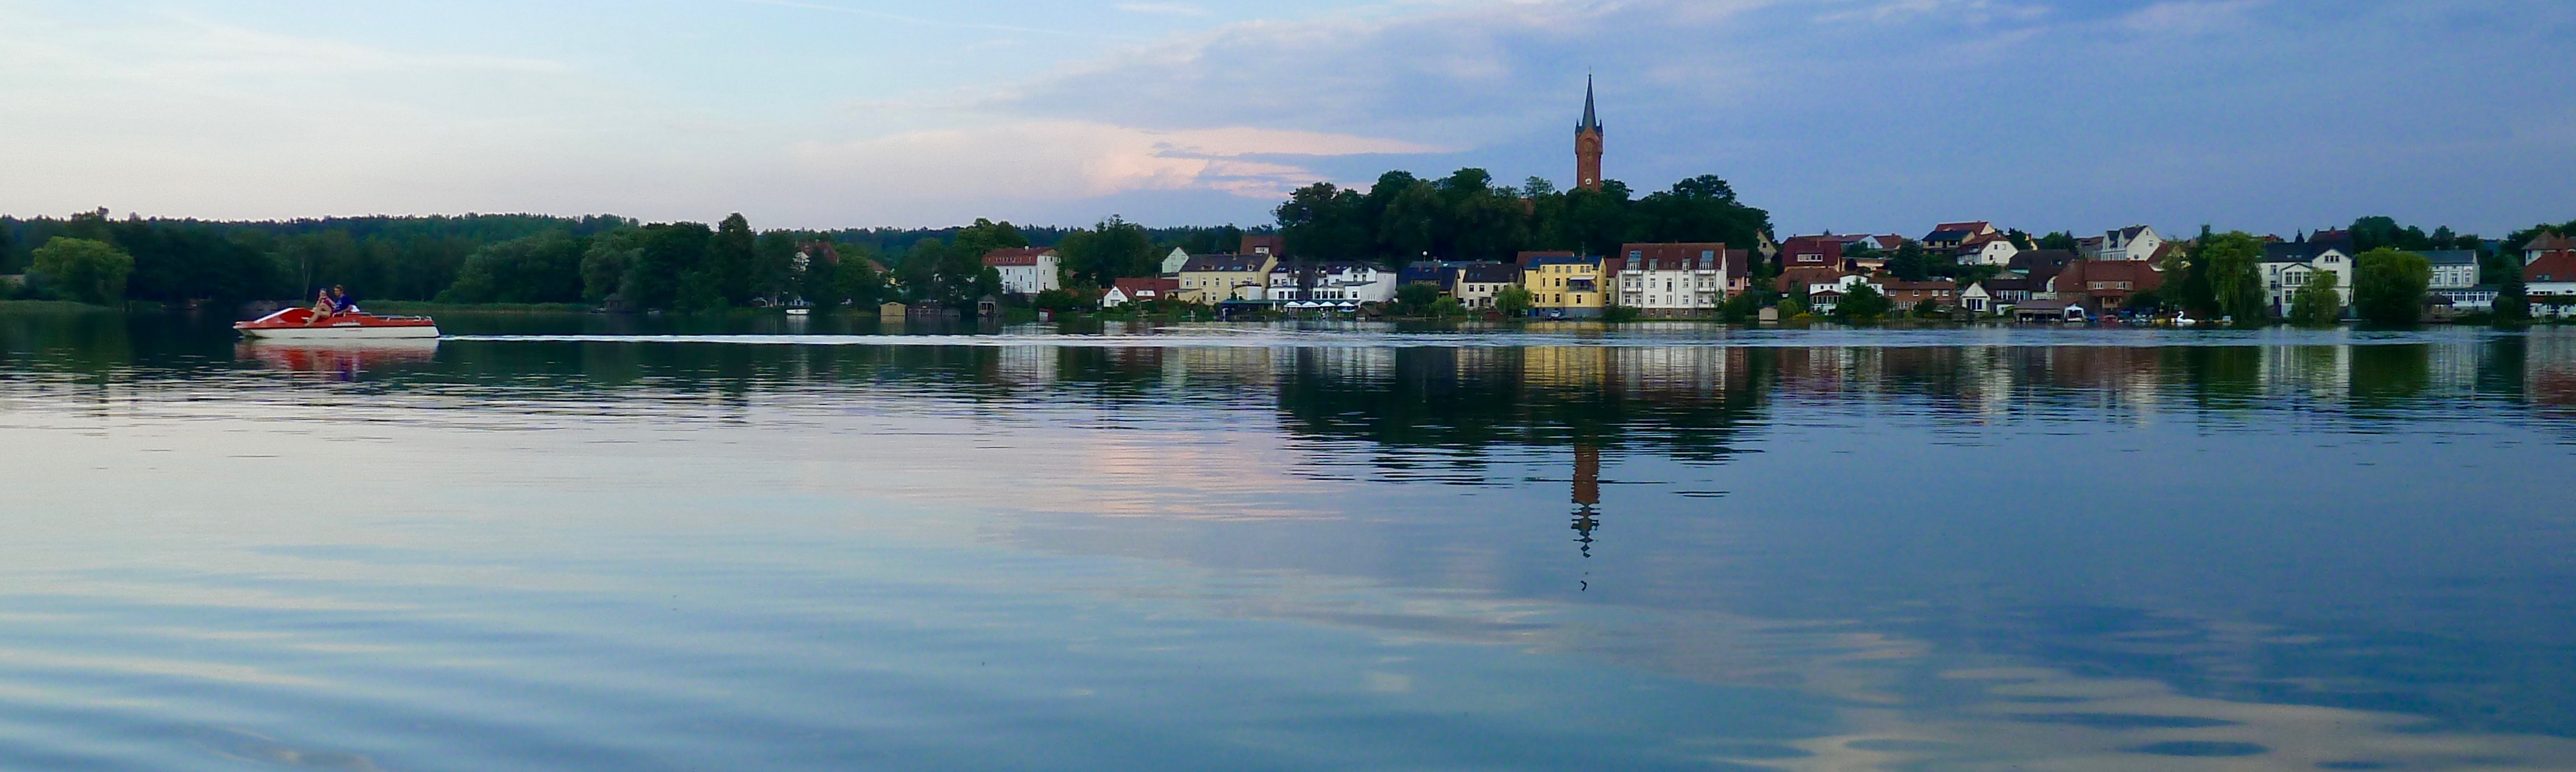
column 1851, row 115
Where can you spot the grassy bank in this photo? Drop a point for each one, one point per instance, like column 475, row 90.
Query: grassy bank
column 419, row 308
column 51, row 306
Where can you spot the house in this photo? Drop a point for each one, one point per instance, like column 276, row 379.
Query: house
column 1812, row 252
column 1172, row 262
column 1790, row 280
column 1333, row 282
column 2290, row 265
column 1673, row 280
column 1139, row 290
column 2000, row 292
column 1950, row 236
column 2040, row 265
column 1823, row 293
column 1988, row 249
column 2551, row 280
column 2136, row 242
column 2453, row 268
column 1478, row 282
column 2105, row 285
column 2090, row 247
column 1213, row 279
column 1739, row 271
column 1569, row 287
column 1905, row 295
column 1437, row 273
column 1026, row 271
column 2546, row 245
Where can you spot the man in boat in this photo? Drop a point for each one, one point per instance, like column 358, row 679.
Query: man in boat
column 341, row 301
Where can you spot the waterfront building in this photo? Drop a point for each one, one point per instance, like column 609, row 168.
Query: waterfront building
column 1139, row 290
column 1905, row 295
column 2550, row 281
column 1569, row 287
column 1213, row 279
column 2103, row 286
column 1333, row 282
column 1478, row 282
column 1027, row 271
column 1673, row 280
column 2290, row 265
column 1172, row 262
column 2548, row 244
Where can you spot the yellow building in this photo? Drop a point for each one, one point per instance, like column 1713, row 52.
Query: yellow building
column 1212, row 279
column 1567, row 287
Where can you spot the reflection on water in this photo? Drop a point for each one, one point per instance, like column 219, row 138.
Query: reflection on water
column 1331, row 547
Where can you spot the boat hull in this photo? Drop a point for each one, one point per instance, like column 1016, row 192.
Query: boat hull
column 299, row 324
column 349, row 332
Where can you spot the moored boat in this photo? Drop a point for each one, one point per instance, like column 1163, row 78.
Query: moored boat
column 299, row 324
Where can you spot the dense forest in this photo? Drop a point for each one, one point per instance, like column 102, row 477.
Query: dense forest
column 1465, row 216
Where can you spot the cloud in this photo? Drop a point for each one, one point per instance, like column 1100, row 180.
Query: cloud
column 1075, row 159
column 2191, row 18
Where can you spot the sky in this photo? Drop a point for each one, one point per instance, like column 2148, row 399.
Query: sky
column 1843, row 115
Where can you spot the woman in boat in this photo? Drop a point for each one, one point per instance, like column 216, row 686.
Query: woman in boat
column 323, row 307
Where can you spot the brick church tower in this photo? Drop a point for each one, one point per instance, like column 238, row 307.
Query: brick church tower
column 1587, row 144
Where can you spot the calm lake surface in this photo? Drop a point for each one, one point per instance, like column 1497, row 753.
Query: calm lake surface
column 596, row 543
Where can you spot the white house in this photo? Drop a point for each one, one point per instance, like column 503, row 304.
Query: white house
column 1988, row 249
column 1172, row 262
column 1331, row 283
column 1822, row 296
column 1027, row 271
column 2289, row 266
column 1673, row 279
column 2136, row 242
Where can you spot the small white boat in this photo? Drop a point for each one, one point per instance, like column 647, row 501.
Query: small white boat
column 299, row 324
column 800, row 312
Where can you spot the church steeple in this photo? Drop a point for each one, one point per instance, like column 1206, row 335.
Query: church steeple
column 1591, row 119
column 1587, row 143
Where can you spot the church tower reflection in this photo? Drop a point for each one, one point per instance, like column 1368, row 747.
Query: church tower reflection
column 1587, row 497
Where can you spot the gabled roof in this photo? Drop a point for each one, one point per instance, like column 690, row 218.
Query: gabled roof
column 2041, row 264
column 1979, row 226
column 2296, row 251
column 1130, row 286
column 1025, row 256
column 2550, row 242
column 1489, row 273
column 1225, row 262
column 2140, row 275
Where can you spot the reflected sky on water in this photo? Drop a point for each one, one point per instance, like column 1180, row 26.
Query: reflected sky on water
column 1275, row 548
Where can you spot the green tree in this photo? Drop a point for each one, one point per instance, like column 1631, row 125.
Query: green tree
column 1513, row 300
column 537, row 269
column 1060, row 301
column 1111, row 249
column 1448, row 308
column 1911, row 263
column 1745, row 306
column 605, row 265
column 2059, row 240
column 85, row 270
column 2389, row 284
column 2318, row 304
column 2233, row 264
column 669, row 256
column 1792, row 307
column 2021, row 239
column 728, row 266
column 1862, row 303
column 1926, row 309
column 1415, row 298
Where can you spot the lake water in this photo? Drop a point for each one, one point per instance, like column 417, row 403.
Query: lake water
column 593, row 543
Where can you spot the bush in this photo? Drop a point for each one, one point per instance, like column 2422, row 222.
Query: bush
column 1059, row 301
column 1862, row 303
column 1513, row 300
column 84, row 270
column 1619, row 314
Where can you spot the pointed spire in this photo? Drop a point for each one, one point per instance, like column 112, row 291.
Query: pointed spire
column 1591, row 121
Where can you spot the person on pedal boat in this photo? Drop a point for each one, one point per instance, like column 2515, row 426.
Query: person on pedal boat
column 341, row 301
column 323, row 307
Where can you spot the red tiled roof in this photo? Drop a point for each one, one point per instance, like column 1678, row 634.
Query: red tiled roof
column 1015, row 257
column 1130, row 287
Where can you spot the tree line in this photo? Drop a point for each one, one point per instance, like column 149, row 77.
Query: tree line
column 1465, row 216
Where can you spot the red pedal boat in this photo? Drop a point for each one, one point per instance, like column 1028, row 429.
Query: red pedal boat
column 299, row 324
